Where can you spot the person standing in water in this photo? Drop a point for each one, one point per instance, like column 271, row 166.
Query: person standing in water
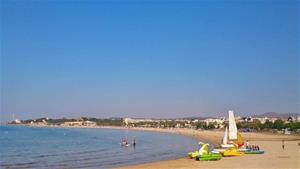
column 283, row 144
column 134, row 142
column 123, row 142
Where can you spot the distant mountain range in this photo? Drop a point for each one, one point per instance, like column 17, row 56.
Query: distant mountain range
column 277, row 115
column 268, row 114
column 195, row 117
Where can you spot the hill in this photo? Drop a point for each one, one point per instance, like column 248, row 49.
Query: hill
column 277, row 115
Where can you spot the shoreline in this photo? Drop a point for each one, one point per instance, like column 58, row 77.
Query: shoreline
column 274, row 157
column 203, row 135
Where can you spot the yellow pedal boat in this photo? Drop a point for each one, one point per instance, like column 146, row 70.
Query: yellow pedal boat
column 233, row 152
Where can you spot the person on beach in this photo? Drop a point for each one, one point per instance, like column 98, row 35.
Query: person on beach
column 283, row 144
column 247, row 145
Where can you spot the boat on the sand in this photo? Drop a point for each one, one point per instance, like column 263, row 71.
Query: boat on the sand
column 203, row 154
column 232, row 152
column 254, row 152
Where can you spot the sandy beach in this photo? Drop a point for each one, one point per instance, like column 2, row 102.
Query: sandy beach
column 275, row 156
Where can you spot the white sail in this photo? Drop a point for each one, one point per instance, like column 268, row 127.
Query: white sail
column 232, row 126
column 225, row 137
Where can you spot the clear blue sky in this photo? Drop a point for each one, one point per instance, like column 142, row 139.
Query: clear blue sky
column 148, row 58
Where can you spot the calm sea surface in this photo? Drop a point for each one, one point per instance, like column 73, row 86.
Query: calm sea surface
column 26, row 147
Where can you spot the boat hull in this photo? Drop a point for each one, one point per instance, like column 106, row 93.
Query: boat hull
column 243, row 149
column 209, row 157
column 255, row 152
column 227, row 145
column 231, row 153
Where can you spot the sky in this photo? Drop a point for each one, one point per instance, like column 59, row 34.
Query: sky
column 159, row 59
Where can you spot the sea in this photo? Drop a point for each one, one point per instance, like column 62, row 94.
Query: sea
column 30, row 147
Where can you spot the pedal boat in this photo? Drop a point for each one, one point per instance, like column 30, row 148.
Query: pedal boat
column 233, row 152
column 209, row 157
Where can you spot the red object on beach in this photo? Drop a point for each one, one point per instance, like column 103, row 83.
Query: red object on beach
column 240, row 145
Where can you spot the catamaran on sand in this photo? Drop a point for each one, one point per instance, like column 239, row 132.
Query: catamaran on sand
column 234, row 138
column 232, row 145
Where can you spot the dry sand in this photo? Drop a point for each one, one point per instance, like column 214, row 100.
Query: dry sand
column 274, row 157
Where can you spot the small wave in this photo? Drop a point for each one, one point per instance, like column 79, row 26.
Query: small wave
column 63, row 154
column 17, row 165
column 41, row 155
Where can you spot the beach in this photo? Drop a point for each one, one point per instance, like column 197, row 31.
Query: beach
column 274, row 157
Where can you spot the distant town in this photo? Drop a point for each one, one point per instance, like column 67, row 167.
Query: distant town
column 271, row 122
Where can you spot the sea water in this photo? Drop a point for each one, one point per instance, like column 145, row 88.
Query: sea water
column 28, row 147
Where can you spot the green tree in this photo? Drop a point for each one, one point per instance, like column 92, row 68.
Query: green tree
column 268, row 124
column 211, row 126
column 200, row 125
column 256, row 124
column 278, row 124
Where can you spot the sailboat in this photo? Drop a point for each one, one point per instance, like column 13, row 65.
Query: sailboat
column 232, row 137
column 225, row 140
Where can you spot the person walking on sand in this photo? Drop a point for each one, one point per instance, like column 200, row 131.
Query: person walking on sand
column 283, row 144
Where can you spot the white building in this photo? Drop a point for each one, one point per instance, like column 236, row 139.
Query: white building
column 89, row 123
column 73, row 123
column 17, row 121
column 131, row 120
column 218, row 122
